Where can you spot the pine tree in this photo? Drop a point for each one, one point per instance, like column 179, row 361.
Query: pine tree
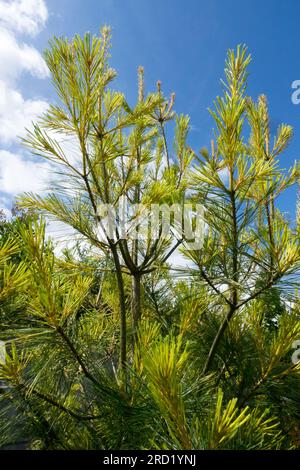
column 120, row 152
column 211, row 364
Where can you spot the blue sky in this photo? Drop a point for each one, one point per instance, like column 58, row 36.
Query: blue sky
column 181, row 42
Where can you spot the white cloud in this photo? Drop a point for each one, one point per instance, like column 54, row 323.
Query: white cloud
column 224, row 176
column 19, row 174
column 5, row 205
column 16, row 58
column 23, row 16
column 16, row 113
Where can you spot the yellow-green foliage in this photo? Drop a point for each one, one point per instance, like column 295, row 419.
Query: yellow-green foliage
column 111, row 346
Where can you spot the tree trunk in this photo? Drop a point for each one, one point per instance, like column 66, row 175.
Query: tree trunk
column 136, row 301
column 217, row 339
column 122, row 307
column 235, row 277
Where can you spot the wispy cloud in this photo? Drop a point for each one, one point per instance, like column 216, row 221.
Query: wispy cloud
column 19, row 17
column 23, row 16
column 16, row 113
column 17, row 57
column 20, row 174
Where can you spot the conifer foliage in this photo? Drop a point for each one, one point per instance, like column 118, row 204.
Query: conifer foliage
column 108, row 344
